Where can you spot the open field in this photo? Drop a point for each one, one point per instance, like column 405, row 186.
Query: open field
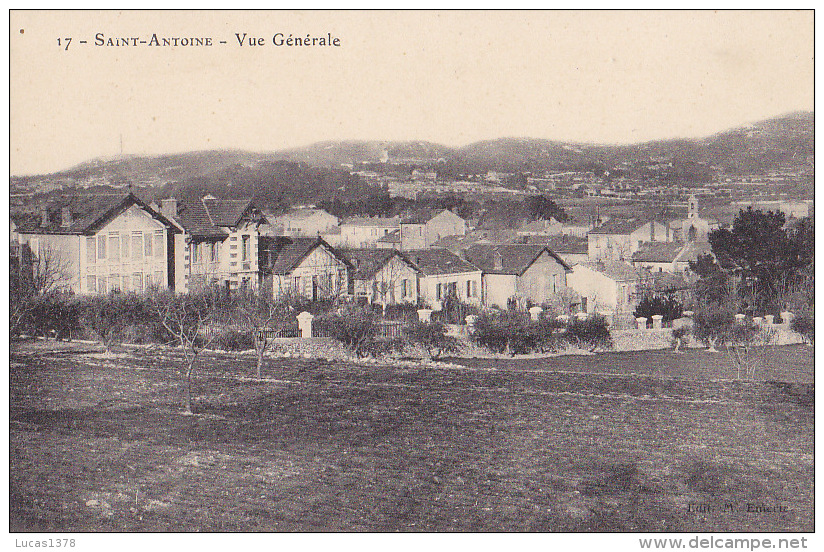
column 98, row 444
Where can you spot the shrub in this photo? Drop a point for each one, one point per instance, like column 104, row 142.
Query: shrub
column 667, row 306
column 591, row 333
column 432, row 337
column 804, row 325
column 53, row 313
column 354, row 326
column 453, row 311
column 505, row 332
column 401, row 311
column 233, row 339
column 678, row 335
column 712, row 325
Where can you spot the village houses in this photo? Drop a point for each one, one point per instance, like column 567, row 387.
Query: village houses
column 609, row 287
column 366, row 232
column 104, row 242
column 303, row 223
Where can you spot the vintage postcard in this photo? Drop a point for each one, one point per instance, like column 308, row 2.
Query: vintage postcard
column 424, row 271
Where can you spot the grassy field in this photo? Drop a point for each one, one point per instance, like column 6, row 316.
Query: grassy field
column 98, row 444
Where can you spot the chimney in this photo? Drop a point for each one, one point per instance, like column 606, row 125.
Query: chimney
column 169, row 207
column 498, row 261
column 65, row 217
column 44, row 216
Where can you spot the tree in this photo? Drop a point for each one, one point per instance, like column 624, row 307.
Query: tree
column 187, row 318
column 264, row 316
column 713, row 325
column 667, row 306
column 805, row 325
column 105, row 316
column 355, row 327
column 540, row 207
column 766, row 253
column 32, row 276
column 432, row 337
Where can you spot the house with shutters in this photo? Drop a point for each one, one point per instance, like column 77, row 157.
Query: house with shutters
column 609, row 287
column 518, row 274
column 421, row 229
column 443, row 274
column 303, row 267
column 218, row 244
column 382, row 276
column 104, row 242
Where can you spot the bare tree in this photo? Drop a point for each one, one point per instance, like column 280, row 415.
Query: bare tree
column 32, row 276
column 264, row 316
column 188, row 318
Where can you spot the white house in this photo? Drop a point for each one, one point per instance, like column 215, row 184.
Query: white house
column 671, row 257
column 444, row 274
column 614, row 287
column 383, row 276
column 520, row 273
column 305, row 267
column 104, row 242
column 618, row 239
column 694, row 227
column 303, row 223
column 366, row 232
column 423, row 228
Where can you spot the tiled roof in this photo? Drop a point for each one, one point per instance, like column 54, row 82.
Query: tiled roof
column 304, row 214
column 422, row 216
column 289, row 252
column 616, row 270
column 658, row 252
column 562, row 244
column 367, row 262
column 226, row 212
column 619, row 226
column 439, row 261
column 207, row 217
column 514, row 258
column 88, row 213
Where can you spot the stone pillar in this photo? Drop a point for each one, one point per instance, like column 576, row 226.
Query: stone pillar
column 642, row 323
column 688, row 314
column 535, row 313
column 305, row 324
column 425, row 315
column 787, row 318
column 769, row 319
column 739, row 318
column 657, row 321
column 757, row 320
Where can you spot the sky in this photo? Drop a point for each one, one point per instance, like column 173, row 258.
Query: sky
column 447, row 77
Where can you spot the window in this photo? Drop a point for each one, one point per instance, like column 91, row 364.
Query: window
column 90, row 254
column 469, row 288
column 438, row 292
column 124, row 243
column 101, row 247
column 296, row 284
column 101, row 283
column 137, row 245
column 404, row 288
column 114, row 247
column 137, row 282
column 91, row 281
column 114, row 282
column 556, row 283
column 194, row 247
column 147, row 244
column 158, row 278
column 158, row 243
column 215, row 252
column 245, row 249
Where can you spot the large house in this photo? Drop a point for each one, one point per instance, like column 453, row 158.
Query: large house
column 517, row 274
column 618, row 239
column 694, row 227
column 303, row 267
column 443, row 274
column 612, row 287
column 423, row 228
column 219, row 243
column 383, row 276
column 672, row 257
column 365, row 232
column 103, row 242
